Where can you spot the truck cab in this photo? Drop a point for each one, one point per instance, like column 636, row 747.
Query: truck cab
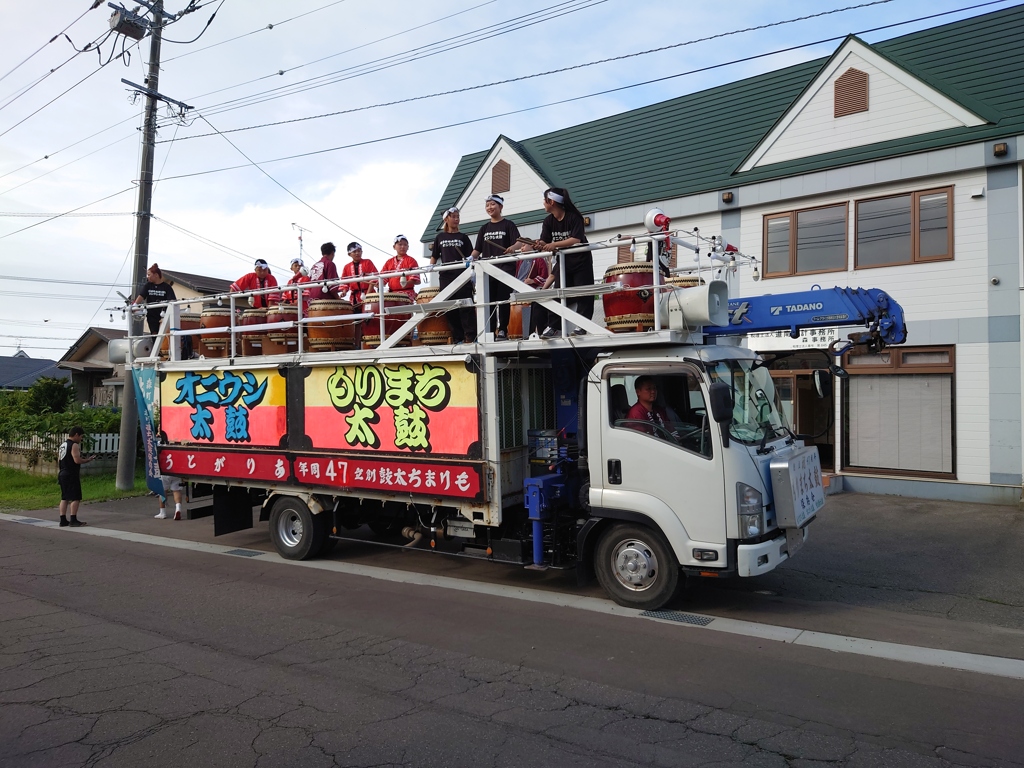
column 693, row 483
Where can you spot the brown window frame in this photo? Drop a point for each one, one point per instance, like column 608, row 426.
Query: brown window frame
column 915, row 228
column 793, row 234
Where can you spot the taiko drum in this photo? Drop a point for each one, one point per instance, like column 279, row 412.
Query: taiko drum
column 372, row 304
column 338, row 333
column 252, row 341
column 215, row 317
column 433, row 328
column 188, row 321
column 632, row 308
column 515, row 319
column 281, row 341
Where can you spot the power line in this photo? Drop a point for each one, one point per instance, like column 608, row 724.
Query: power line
column 30, row 295
column 209, row 21
column 282, row 186
column 557, row 11
column 32, row 346
column 46, row 338
column 261, row 29
column 538, row 74
column 25, row 215
column 73, row 210
column 470, row 121
column 229, row 251
column 32, row 279
column 96, row 4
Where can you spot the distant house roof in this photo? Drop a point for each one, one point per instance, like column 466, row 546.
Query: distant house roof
column 74, row 358
column 20, row 371
column 697, row 142
column 207, row 286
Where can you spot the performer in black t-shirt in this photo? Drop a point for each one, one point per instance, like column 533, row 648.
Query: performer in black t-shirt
column 155, row 291
column 496, row 238
column 563, row 228
column 451, row 247
column 69, row 459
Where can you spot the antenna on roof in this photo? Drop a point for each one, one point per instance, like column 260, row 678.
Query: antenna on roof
column 301, row 230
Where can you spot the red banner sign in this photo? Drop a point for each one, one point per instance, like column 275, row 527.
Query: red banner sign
column 446, row 479
column 269, row 467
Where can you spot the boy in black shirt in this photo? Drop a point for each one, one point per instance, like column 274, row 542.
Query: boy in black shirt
column 69, row 461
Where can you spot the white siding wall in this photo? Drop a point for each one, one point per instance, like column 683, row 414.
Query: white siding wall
column 526, row 191
column 894, row 111
column 972, row 413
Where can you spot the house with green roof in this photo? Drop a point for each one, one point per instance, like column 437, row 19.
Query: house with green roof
column 890, row 165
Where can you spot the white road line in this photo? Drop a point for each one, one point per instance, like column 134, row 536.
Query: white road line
column 932, row 657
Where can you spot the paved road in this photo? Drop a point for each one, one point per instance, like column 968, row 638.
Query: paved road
column 125, row 653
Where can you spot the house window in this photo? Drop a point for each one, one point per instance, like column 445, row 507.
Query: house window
column 501, row 177
column 899, row 412
column 804, row 242
column 904, row 229
column 851, row 93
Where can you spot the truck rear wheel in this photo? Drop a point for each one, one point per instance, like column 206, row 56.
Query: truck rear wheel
column 297, row 533
column 636, row 567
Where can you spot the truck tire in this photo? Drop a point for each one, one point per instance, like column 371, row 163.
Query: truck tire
column 297, row 533
column 636, row 567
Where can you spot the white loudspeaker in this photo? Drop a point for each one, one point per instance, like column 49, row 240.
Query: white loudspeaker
column 142, row 348
column 117, row 351
column 686, row 309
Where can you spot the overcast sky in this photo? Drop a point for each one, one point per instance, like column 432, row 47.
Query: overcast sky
column 360, row 54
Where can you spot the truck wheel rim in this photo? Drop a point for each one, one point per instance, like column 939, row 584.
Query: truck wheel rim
column 635, row 565
column 289, row 529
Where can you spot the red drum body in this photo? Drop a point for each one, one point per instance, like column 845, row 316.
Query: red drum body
column 515, row 319
column 334, row 335
column 631, row 309
column 281, row 341
column 433, row 329
column 252, row 341
column 215, row 317
column 372, row 303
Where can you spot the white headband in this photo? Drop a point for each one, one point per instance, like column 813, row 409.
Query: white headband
column 400, row 237
column 298, row 261
column 449, row 212
column 495, row 199
column 554, row 196
column 261, row 263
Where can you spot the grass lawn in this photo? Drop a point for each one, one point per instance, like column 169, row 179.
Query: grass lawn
column 20, row 490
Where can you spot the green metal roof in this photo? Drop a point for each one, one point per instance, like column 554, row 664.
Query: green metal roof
column 695, row 143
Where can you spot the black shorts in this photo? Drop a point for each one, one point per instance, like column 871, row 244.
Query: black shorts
column 70, row 487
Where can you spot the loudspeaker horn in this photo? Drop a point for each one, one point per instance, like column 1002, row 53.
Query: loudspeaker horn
column 685, row 309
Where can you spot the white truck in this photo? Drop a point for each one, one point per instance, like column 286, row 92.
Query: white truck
column 520, row 451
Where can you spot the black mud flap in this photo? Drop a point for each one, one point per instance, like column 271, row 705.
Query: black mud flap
column 232, row 510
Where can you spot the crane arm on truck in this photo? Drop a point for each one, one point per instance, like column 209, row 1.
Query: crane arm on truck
column 820, row 308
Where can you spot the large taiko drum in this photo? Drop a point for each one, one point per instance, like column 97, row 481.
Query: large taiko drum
column 337, row 334
column 252, row 341
column 631, row 309
column 515, row 319
column 372, row 304
column 684, row 281
column 215, row 317
column 433, row 329
column 281, row 341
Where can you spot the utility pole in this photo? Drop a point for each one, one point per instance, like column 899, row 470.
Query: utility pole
column 129, row 413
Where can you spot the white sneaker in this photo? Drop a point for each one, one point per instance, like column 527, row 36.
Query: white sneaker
column 161, row 516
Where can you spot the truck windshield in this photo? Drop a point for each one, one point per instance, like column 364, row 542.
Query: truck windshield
column 757, row 413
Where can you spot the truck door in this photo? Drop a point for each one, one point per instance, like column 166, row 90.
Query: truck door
column 661, row 456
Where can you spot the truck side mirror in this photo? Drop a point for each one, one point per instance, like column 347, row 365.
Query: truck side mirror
column 721, row 401
column 822, row 383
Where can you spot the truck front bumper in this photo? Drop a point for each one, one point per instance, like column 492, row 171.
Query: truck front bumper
column 755, row 559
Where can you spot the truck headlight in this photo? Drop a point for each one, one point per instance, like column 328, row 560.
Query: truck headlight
column 750, row 505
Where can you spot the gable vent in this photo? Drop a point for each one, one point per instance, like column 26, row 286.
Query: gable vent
column 501, row 177
column 851, row 92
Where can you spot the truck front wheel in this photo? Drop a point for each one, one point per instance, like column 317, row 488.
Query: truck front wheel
column 636, row 567
column 297, row 533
